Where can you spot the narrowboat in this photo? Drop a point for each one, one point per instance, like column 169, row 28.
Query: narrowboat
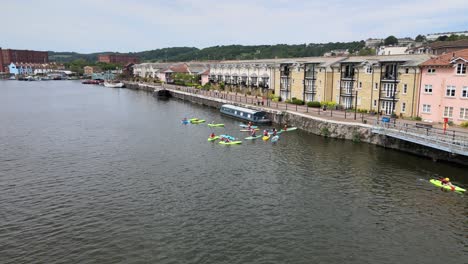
column 256, row 117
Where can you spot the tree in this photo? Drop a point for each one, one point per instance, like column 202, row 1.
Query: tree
column 420, row 38
column 391, row 40
column 367, row 52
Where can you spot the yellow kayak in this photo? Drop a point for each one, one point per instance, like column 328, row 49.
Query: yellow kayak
column 266, row 137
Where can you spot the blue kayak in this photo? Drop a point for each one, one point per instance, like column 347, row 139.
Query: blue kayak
column 227, row 136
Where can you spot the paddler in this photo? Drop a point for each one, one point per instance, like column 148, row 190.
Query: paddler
column 249, row 125
column 265, row 133
column 212, row 135
column 253, row 133
column 446, row 182
column 274, row 131
column 285, row 127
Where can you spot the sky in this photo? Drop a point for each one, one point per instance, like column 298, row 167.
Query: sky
column 88, row 26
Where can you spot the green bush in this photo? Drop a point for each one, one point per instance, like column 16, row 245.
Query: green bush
column 450, row 123
column 276, row 99
column 464, row 124
column 249, row 93
column 297, row 102
column 314, row 104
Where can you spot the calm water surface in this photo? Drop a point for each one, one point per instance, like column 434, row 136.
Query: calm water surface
column 98, row 175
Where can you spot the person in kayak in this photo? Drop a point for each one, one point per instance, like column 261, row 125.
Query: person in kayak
column 185, row 119
column 212, row 135
column 446, row 181
column 274, row 131
column 285, row 127
column 265, row 133
column 249, row 125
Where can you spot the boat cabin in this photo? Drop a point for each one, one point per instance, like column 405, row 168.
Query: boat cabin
column 246, row 114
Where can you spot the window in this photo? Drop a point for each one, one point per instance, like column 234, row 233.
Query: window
column 430, row 70
column 376, row 87
column 448, row 111
column 405, row 88
column 464, row 113
column 403, row 107
column 426, row 108
column 360, row 84
column 450, row 91
column 369, row 69
column 406, row 70
column 464, row 92
column 428, row 88
column 375, row 103
column 461, row 69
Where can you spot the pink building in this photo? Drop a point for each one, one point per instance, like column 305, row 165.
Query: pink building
column 444, row 88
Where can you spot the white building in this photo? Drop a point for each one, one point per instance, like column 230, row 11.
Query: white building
column 390, row 50
column 434, row 36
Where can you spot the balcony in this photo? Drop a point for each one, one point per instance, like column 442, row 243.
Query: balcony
column 389, row 95
column 347, row 92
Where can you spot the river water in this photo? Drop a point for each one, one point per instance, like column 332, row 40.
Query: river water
column 99, row 175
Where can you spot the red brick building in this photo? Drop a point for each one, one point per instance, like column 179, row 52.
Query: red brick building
column 8, row 56
column 118, row 58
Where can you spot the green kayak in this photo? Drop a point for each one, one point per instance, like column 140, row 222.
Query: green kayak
column 250, row 138
column 216, row 125
column 213, row 138
column 289, row 129
column 230, row 143
column 197, row 121
column 447, row 187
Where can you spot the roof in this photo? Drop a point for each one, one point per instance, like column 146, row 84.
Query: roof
column 405, row 59
column 446, row 59
column 242, row 109
column 463, row 43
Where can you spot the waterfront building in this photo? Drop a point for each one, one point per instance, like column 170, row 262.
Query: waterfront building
column 12, row 69
column 384, row 84
column 306, row 79
column 252, row 75
column 444, row 88
column 22, row 56
column 118, row 58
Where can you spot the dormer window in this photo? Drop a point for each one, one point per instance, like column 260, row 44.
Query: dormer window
column 461, row 69
column 431, row 70
column 369, row 69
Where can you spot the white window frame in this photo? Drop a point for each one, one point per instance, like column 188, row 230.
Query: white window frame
column 369, row 70
column 448, row 111
column 376, row 87
column 405, row 88
column 375, row 103
column 426, row 108
column 464, row 93
column 450, row 91
column 431, row 70
column 428, row 87
column 403, row 107
column 461, row 69
column 464, row 113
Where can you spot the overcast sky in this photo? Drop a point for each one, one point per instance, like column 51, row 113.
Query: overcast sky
column 136, row 25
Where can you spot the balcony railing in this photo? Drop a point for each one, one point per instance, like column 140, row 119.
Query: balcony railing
column 388, row 95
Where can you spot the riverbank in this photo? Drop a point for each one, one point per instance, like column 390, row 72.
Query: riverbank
column 334, row 124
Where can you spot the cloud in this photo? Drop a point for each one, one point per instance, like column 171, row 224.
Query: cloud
column 98, row 25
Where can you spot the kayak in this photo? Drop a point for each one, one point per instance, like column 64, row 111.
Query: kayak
column 289, row 129
column 198, row 121
column 245, row 126
column 274, row 139
column 446, row 187
column 277, row 132
column 213, row 138
column 193, row 119
column 266, row 137
column 216, row 125
column 185, row 122
column 227, row 136
column 247, row 130
column 250, row 138
column 230, row 143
